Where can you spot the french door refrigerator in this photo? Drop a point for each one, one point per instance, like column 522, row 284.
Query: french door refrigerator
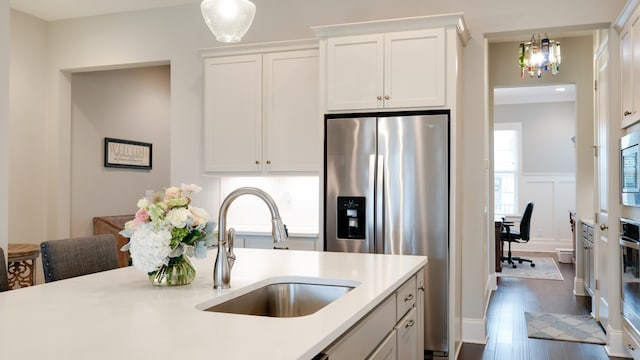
column 387, row 192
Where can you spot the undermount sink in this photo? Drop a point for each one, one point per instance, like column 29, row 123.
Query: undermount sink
column 283, row 299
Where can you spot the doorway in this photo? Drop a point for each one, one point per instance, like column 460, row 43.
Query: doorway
column 534, row 160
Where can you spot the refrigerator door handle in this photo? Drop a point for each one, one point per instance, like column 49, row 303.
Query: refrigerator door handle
column 371, row 206
column 379, row 206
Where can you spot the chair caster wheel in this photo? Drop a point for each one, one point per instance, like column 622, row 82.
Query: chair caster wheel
column 520, row 261
column 533, row 265
column 514, row 266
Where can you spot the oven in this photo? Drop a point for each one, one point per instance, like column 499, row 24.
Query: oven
column 630, row 272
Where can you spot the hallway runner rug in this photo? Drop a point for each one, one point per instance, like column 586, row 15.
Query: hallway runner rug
column 576, row 328
column 546, row 268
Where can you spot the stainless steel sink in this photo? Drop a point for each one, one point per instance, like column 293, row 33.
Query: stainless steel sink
column 287, row 299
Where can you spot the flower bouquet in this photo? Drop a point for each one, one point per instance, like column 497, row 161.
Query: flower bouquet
column 165, row 229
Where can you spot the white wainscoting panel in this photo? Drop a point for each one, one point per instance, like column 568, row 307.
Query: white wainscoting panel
column 554, row 196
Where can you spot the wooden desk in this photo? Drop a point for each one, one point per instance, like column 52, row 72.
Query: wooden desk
column 22, row 264
column 113, row 225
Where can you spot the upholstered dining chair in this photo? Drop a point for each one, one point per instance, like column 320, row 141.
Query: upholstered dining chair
column 4, row 278
column 66, row 258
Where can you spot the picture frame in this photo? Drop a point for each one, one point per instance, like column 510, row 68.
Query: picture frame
column 128, row 154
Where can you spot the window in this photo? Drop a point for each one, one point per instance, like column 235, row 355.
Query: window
column 506, row 156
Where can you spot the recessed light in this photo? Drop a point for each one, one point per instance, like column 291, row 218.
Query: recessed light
column 560, row 89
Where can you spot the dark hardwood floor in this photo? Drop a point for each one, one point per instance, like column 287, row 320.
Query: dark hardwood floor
column 507, row 328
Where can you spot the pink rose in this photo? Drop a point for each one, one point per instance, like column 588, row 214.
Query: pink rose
column 172, row 193
column 141, row 218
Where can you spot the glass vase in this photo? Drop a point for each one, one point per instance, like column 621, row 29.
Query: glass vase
column 178, row 272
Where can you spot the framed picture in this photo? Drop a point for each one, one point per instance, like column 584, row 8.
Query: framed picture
column 127, row 154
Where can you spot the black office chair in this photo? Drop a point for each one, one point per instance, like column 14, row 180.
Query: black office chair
column 511, row 236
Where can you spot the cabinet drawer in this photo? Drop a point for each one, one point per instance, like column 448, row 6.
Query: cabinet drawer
column 364, row 337
column 406, row 297
column 407, row 336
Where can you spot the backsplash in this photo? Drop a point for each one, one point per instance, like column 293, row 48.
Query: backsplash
column 297, row 198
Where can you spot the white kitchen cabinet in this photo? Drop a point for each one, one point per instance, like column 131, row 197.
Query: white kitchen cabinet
column 266, row 242
column 387, row 350
column 233, row 113
column 261, row 111
column 407, row 337
column 391, row 70
column 630, row 69
column 420, row 311
column 391, row 331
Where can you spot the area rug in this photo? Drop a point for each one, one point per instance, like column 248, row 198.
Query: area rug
column 576, row 328
column 546, row 268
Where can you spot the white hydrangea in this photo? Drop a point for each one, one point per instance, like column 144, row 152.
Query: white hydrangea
column 178, row 217
column 150, row 248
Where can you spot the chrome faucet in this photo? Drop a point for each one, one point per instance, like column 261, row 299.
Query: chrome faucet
column 225, row 257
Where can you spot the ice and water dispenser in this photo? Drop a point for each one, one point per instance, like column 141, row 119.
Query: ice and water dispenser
column 352, row 217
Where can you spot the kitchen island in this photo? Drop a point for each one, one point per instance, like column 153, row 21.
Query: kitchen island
column 118, row 314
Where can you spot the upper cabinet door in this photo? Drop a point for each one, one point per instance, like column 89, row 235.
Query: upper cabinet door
column 355, row 72
column 414, row 64
column 233, row 113
column 292, row 127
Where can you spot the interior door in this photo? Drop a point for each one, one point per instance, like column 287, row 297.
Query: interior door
column 602, row 254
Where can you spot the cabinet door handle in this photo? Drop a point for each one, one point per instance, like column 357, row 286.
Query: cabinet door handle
column 421, row 288
column 627, row 113
column 257, row 162
column 604, row 227
column 386, row 97
column 408, row 298
column 409, row 324
column 268, row 162
column 379, row 98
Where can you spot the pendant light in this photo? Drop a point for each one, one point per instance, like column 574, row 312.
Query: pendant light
column 538, row 55
column 228, row 20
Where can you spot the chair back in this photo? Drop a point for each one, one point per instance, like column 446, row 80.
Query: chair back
column 4, row 278
column 525, row 222
column 63, row 259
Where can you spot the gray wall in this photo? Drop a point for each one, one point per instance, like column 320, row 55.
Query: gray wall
column 546, row 134
column 131, row 104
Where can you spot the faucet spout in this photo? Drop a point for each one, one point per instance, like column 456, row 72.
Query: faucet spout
column 225, row 257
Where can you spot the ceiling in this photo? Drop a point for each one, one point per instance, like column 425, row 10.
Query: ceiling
column 52, row 10
column 534, row 94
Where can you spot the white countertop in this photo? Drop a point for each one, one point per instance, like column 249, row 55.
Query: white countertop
column 118, row 314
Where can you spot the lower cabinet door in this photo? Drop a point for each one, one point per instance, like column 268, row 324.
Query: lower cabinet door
column 387, row 348
column 407, row 333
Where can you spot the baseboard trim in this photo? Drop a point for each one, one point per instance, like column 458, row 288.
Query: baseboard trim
column 615, row 344
column 474, row 331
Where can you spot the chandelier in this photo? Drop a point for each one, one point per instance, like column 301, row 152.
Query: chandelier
column 538, row 55
column 228, row 20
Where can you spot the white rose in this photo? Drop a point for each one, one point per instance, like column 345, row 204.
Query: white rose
column 178, row 217
column 142, row 203
column 200, row 216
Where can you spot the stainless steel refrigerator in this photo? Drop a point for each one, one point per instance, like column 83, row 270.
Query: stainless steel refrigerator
column 387, row 191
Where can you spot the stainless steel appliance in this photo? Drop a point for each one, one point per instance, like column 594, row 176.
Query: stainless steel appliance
column 630, row 169
column 387, row 191
column 630, row 272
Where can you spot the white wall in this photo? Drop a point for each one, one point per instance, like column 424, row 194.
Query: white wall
column 547, row 129
column 129, row 104
column 27, row 143
column 4, row 123
column 174, row 34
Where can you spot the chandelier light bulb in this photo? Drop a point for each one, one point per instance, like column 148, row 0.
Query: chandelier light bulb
column 228, row 20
